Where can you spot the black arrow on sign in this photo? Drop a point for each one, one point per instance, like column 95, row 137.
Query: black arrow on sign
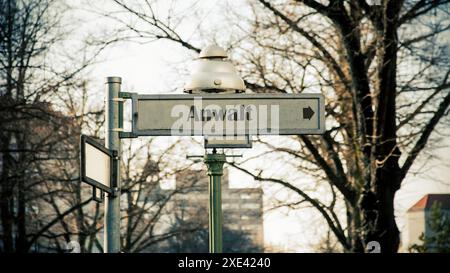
column 308, row 113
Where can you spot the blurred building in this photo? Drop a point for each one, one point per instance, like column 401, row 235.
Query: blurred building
column 242, row 208
column 37, row 188
column 419, row 214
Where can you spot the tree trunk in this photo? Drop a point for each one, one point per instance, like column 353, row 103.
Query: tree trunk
column 386, row 231
column 386, row 178
column 6, row 195
column 21, row 237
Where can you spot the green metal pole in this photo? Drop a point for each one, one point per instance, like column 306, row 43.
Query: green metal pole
column 112, row 142
column 215, row 162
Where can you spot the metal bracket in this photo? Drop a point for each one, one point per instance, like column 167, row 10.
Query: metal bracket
column 116, row 130
column 196, row 158
column 127, row 135
column 95, row 197
column 114, row 172
column 203, row 156
column 126, row 95
column 133, row 97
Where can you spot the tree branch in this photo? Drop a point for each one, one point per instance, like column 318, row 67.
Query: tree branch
column 420, row 144
column 55, row 220
column 420, row 8
column 338, row 181
column 316, row 203
column 293, row 25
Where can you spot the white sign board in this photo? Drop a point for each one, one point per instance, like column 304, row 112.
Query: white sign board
column 96, row 164
column 243, row 141
column 227, row 115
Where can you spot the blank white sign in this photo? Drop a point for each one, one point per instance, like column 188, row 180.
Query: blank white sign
column 97, row 165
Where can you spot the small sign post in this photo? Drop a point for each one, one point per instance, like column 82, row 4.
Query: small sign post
column 97, row 166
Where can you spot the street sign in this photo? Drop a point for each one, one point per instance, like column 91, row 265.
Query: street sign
column 97, row 165
column 228, row 114
column 228, row 142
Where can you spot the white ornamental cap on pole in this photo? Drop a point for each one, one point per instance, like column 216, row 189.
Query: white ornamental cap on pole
column 213, row 73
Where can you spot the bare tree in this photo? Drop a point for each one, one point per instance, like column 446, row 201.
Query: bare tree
column 357, row 56
column 148, row 205
column 39, row 139
column 384, row 72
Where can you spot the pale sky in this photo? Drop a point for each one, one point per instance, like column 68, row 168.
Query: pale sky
column 151, row 68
